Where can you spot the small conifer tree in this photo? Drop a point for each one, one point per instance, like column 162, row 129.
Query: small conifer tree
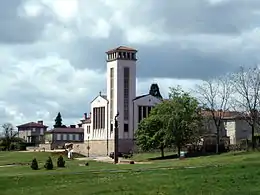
column 48, row 165
column 60, row 162
column 34, row 164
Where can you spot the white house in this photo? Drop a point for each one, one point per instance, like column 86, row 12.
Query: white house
column 120, row 98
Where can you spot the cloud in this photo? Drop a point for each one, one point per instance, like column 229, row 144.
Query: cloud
column 52, row 52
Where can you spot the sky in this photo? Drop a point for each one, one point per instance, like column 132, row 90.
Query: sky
column 52, row 52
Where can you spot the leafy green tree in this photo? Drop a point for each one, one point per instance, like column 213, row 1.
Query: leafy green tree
column 155, row 91
column 58, row 121
column 151, row 134
column 184, row 118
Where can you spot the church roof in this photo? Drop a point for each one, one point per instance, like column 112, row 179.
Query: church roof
column 124, row 48
column 141, row 96
column 103, row 96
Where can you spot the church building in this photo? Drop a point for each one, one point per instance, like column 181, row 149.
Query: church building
column 121, row 99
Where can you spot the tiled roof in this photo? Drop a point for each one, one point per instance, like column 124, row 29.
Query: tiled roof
column 66, row 130
column 124, row 48
column 224, row 115
column 32, row 124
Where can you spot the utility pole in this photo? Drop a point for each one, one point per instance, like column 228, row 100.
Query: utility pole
column 116, row 140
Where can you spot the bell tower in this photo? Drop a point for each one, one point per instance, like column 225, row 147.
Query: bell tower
column 121, row 89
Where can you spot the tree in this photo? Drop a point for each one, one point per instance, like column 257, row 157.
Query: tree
column 151, row 133
column 184, row 118
column 246, row 98
column 34, row 164
column 48, row 165
column 9, row 135
column 60, row 162
column 214, row 95
column 155, row 91
column 58, row 121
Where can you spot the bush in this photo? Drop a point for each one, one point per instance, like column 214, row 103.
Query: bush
column 48, row 165
column 60, row 162
column 34, row 164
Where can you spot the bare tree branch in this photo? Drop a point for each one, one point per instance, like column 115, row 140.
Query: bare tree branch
column 214, row 95
column 246, row 98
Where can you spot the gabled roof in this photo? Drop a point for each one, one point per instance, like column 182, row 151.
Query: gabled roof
column 140, row 96
column 66, row 130
column 121, row 48
column 32, row 124
column 103, row 96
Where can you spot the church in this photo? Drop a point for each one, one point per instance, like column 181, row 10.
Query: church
column 120, row 99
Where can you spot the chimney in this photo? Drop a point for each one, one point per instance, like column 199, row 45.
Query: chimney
column 40, row 122
column 85, row 115
column 72, row 126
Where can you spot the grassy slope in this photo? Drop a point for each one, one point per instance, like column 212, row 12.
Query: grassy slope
column 238, row 174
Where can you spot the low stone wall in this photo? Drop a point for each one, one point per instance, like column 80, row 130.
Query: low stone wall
column 46, row 146
column 102, row 147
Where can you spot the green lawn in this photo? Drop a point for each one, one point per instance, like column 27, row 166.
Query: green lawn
column 236, row 173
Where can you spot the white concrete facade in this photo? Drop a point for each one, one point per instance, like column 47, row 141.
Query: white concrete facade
column 120, row 98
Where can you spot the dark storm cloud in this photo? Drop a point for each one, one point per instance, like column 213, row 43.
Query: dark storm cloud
column 15, row 29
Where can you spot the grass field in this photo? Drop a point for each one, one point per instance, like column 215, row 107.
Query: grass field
column 226, row 174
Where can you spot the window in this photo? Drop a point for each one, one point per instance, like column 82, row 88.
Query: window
column 64, row 136
column 33, row 129
column 42, row 131
column 126, row 93
column 111, row 128
column 125, row 127
column 149, row 109
column 70, row 136
column 139, row 114
column 58, row 136
column 77, row 137
column 112, row 93
column 144, row 111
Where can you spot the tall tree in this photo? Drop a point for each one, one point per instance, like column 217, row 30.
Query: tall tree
column 155, row 91
column 58, row 121
column 9, row 135
column 214, row 95
column 246, row 98
column 184, row 118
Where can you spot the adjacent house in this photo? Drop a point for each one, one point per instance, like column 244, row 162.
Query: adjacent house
column 32, row 132
column 58, row 137
column 233, row 125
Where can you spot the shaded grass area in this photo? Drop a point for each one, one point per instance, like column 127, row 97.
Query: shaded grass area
column 238, row 173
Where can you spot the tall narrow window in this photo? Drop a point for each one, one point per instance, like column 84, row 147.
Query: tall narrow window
column 126, row 93
column 125, row 127
column 139, row 114
column 144, row 111
column 111, row 93
column 149, row 109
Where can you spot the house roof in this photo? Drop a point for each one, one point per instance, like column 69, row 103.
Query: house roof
column 87, row 120
column 224, row 115
column 121, row 48
column 32, row 124
column 66, row 130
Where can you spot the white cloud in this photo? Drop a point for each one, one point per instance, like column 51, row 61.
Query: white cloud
column 52, row 56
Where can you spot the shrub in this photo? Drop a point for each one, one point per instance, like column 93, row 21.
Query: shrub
column 132, row 162
column 48, row 165
column 60, row 162
column 34, row 164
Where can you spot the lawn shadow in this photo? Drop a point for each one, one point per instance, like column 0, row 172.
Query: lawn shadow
column 188, row 155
